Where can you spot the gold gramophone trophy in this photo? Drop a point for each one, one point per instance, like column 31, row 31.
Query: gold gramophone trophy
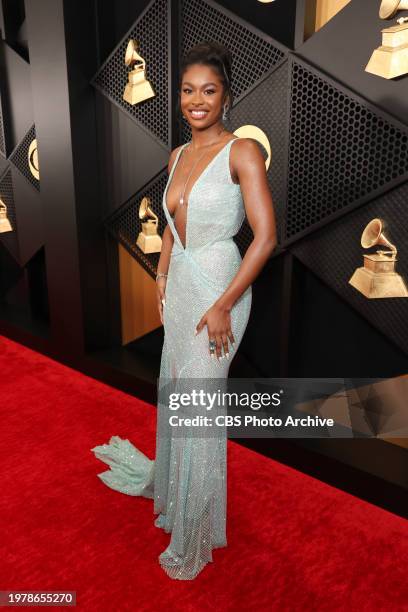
column 5, row 225
column 33, row 162
column 138, row 88
column 378, row 279
column 390, row 60
column 148, row 239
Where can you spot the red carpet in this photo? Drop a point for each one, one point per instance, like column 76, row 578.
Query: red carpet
column 294, row 543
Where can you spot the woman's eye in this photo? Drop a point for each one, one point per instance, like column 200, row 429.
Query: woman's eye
column 187, row 90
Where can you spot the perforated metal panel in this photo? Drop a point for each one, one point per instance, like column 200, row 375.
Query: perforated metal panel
column 125, row 224
column 334, row 252
column 266, row 108
column 254, row 53
column 342, row 151
column 9, row 239
column 19, row 158
column 152, row 32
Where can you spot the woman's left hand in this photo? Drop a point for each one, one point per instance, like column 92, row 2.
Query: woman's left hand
column 218, row 321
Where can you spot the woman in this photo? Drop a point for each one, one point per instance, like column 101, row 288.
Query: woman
column 204, row 298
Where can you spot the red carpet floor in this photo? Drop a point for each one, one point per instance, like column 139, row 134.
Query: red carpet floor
column 294, row 543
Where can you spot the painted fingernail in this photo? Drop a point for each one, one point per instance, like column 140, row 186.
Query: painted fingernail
column 227, row 355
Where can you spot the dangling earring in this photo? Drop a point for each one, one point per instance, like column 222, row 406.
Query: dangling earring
column 224, row 113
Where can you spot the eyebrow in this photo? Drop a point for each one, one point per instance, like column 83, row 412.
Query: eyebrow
column 188, row 83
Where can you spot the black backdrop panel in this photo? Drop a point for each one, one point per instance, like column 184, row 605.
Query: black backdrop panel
column 334, row 252
column 16, row 90
column 342, row 151
column 343, row 48
column 151, row 30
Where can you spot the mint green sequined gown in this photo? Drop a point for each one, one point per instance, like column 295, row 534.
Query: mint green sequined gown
column 188, row 478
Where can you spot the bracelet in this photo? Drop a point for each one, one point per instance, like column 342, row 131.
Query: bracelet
column 160, row 275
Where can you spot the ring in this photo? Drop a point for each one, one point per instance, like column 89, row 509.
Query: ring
column 212, row 345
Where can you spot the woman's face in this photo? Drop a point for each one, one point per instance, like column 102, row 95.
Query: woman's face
column 201, row 90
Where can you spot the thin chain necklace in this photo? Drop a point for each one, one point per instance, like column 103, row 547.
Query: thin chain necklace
column 181, row 200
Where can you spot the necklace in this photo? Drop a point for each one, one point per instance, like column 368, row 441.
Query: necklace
column 181, row 200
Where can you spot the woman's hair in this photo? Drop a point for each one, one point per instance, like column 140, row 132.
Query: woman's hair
column 216, row 55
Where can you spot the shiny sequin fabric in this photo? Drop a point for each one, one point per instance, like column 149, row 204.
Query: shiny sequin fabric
column 187, row 479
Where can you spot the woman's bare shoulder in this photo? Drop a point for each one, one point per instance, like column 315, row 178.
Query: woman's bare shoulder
column 248, row 146
column 247, row 152
column 172, row 157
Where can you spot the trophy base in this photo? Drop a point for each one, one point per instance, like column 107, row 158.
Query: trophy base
column 138, row 92
column 5, row 226
column 389, row 62
column 378, row 285
column 149, row 244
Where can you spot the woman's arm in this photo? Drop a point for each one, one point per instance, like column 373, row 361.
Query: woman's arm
column 249, row 166
column 167, row 245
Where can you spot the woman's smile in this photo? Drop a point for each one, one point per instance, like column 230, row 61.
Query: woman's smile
column 198, row 114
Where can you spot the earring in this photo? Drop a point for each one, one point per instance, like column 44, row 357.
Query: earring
column 224, row 113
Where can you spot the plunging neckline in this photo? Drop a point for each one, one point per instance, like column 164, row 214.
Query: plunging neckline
column 191, row 190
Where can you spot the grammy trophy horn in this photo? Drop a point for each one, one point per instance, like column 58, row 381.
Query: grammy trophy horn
column 389, row 8
column 373, row 234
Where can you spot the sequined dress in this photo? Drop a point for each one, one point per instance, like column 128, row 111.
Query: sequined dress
column 188, row 478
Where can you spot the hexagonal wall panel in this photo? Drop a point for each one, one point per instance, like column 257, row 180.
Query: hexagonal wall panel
column 342, row 150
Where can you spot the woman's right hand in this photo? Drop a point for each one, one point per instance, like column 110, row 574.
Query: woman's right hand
column 161, row 295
